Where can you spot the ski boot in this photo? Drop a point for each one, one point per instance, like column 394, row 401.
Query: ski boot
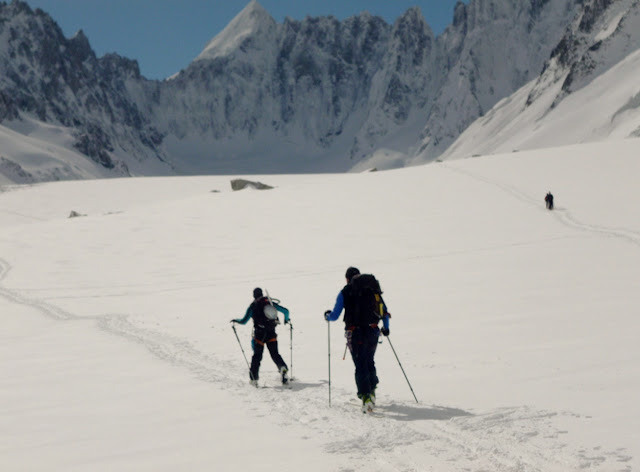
column 284, row 373
column 367, row 404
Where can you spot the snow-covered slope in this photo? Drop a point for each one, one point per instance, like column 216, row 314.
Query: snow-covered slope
column 516, row 326
column 34, row 151
column 41, row 153
column 608, row 109
column 491, row 50
column 586, row 92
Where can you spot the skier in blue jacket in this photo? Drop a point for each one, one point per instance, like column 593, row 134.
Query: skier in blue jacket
column 362, row 338
column 263, row 311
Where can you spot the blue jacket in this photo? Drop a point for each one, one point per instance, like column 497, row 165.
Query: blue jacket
column 339, row 306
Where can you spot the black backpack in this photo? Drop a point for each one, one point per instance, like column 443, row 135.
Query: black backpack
column 264, row 313
column 368, row 307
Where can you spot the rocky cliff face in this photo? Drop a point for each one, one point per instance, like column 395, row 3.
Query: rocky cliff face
column 301, row 87
column 316, row 94
column 353, row 87
column 602, row 34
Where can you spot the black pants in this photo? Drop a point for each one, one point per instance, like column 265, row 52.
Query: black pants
column 362, row 343
column 262, row 337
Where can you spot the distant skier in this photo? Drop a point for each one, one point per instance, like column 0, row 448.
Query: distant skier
column 363, row 307
column 549, row 201
column 264, row 312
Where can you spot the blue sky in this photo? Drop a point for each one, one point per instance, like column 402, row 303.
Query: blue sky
column 164, row 36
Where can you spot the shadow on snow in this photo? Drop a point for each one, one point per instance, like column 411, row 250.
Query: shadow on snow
column 417, row 413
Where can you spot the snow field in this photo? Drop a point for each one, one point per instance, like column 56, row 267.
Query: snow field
column 516, row 326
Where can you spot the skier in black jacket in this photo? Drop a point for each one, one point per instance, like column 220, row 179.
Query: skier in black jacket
column 549, row 201
column 362, row 337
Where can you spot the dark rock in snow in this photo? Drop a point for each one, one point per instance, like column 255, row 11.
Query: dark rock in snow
column 239, row 184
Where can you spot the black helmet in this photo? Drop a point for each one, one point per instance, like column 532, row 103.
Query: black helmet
column 257, row 293
column 351, row 272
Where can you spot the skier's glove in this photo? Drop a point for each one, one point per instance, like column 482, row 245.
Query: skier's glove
column 385, row 331
column 233, row 321
column 326, row 314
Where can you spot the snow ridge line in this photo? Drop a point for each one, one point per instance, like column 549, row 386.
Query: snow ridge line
column 118, row 290
column 565, row 217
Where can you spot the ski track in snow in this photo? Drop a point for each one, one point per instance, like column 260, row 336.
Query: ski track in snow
column 507, row 439
column 45, row 308
column 562, row 214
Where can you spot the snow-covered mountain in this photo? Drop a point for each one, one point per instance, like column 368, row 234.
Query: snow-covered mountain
column 302, row 96
column 588, row 90
column 47, row 80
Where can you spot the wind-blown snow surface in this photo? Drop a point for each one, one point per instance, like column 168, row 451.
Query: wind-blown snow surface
column 517, row 327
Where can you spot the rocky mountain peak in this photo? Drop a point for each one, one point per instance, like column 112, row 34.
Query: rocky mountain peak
column 410, row 25
column 459, row 14
column 80, row 47
column 19, row 6
column 252, row 22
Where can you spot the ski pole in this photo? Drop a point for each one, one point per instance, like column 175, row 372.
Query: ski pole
column 329, row 352
column 344, row 356
column 242, row 349
column 291, row 349
column 400, row 364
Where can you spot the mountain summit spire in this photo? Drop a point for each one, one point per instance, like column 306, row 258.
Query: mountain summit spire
column 252, row 20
